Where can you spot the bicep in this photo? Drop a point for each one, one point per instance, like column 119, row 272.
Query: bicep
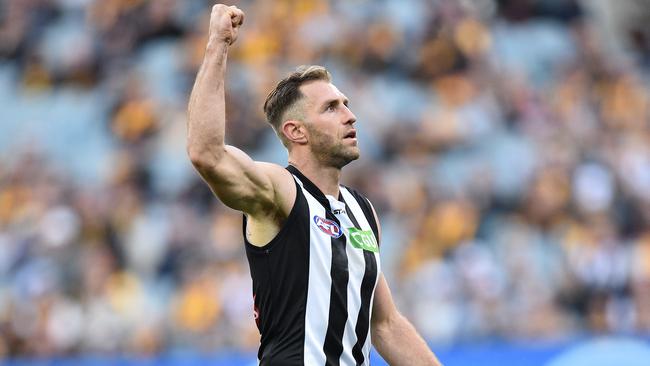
column 240, row 182
column 383, row 308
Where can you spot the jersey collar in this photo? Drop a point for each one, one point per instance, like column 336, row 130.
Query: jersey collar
column 311, row 187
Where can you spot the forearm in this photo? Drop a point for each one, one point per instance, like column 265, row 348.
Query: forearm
column 398, row 343
column 207, row 111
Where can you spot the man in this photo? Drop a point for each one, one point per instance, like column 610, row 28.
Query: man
column 312, row 245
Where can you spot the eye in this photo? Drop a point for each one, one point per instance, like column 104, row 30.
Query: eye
column 330, row 108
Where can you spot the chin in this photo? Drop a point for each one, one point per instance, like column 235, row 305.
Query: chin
column 339, row 157
column 349, row 158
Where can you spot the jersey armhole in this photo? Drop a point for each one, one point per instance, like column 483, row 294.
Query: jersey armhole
column 291, row 217
column 374, row 224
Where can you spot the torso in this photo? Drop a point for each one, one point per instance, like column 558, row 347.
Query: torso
column 314, row 281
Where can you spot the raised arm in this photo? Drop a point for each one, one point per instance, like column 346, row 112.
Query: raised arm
column 233, row 176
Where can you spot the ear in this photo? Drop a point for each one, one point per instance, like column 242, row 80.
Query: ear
column 294, row 131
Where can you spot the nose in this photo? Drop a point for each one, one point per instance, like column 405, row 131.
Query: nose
column 351, row 118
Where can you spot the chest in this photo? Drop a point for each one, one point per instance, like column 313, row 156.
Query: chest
column 342, row 241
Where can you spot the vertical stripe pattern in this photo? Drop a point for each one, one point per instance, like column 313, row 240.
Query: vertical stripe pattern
column 319, row 283
column 338, row 312
column 357, row 269
column 370, row 276
column 341, row 281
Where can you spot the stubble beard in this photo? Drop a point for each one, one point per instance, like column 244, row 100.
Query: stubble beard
column 330, row 151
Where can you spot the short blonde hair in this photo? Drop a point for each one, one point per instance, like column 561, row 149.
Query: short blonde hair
column 287, row 93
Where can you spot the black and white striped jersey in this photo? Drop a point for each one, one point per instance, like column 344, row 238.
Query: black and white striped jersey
column 314, row 283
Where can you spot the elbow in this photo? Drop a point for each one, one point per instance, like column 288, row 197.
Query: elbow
column 203, row 158
column 197, row 158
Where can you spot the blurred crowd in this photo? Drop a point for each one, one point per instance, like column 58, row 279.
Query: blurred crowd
column 505, row 145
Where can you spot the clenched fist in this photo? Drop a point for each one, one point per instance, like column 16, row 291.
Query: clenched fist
column 224, row 23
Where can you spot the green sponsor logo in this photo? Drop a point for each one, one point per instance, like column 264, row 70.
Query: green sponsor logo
column 363, row 239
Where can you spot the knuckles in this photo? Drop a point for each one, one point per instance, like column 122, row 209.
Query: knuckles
column 219, row 14
column 237, row 16
column 218, row 7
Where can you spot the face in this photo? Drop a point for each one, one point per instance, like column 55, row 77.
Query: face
column 329, row 124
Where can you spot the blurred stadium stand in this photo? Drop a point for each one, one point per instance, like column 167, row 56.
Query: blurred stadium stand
column 506, row 146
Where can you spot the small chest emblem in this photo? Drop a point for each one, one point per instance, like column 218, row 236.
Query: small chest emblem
column 327, row 226
column 363, row 239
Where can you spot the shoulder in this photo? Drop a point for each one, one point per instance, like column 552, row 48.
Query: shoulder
column 368, row 211
column 284, row 186
column 366, row 206
column 363, row 201
column 274, row 171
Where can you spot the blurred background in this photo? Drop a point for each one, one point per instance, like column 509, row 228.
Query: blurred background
column 505, row 145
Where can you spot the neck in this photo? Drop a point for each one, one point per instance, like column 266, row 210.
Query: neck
column 326, row 178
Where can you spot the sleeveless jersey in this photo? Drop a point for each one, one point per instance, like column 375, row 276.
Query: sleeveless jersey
column 314, row 283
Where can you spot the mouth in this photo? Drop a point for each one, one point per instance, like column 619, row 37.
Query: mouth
column 351, row 135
